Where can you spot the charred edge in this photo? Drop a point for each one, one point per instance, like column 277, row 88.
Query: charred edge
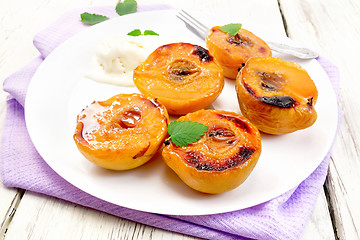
column 242, row 156
column 245, row 153
column 203, row 54
column 242, row 65
column 310, row 101
column 195, row 160
column 279, row 101
column 238, row 122
column 142, row 152
column 249, row 90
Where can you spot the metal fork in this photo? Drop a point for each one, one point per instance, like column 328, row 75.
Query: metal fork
column 202, row 31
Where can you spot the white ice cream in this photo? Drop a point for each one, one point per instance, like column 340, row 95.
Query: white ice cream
column 118, row 56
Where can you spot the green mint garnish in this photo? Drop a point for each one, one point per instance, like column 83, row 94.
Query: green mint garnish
column 183, row 133
column 150, row 32
column 126, row 7
column 137, row 32
column 92, row 19
column 231, row 28
column 122, row 8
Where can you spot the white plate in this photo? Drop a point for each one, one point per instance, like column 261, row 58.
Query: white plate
column 59, row 90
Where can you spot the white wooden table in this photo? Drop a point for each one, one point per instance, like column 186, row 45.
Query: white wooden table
column 332, row 27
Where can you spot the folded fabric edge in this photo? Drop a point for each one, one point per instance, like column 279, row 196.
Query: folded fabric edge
column 16, row 84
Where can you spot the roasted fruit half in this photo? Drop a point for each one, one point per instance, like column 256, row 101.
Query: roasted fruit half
column 182, row 76
column 233, row 51
column 122, row 132
column 276, row 95
column 222, row 159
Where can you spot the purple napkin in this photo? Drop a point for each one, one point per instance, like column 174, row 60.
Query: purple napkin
column 22, row 167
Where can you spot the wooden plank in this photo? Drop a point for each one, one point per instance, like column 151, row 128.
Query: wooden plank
column 319, row 226
column 9, row 196
column 42, row 217
column 10, row 200
column 331, row 27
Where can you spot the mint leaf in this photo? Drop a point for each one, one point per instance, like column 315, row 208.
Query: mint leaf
column 135, row 32
column 231, row 28
column 126, row 7
column 183, row 133
column 92, row 19
column 150, row 32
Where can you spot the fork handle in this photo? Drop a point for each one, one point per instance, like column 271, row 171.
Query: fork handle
column 300, row 52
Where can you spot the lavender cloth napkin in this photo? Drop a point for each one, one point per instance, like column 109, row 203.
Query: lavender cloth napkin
column 22, row 167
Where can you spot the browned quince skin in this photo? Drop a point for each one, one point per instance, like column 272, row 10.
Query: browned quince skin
column 182, row 76
column 122, row 132
column 222, row 159
column 276, row 95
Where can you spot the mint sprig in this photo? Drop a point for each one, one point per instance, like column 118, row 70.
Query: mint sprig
column 183, row 133
column 92, row 19
column 126, row 7
column 122, row 8
column 231, row 28
column 137, row 32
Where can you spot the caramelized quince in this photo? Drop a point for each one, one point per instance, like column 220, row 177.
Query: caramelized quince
column 122, row 132
column 276, row 95
column 182, row 76
column 233, row 51
column 222, row 159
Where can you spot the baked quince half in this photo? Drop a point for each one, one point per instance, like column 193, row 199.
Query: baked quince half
column 122, row 132
column 182, row 76
column 233, row 51
column 222, row 158
column 277, row 96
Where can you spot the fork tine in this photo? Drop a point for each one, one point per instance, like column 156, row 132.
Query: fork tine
column 193, row 23
column 194, row 20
